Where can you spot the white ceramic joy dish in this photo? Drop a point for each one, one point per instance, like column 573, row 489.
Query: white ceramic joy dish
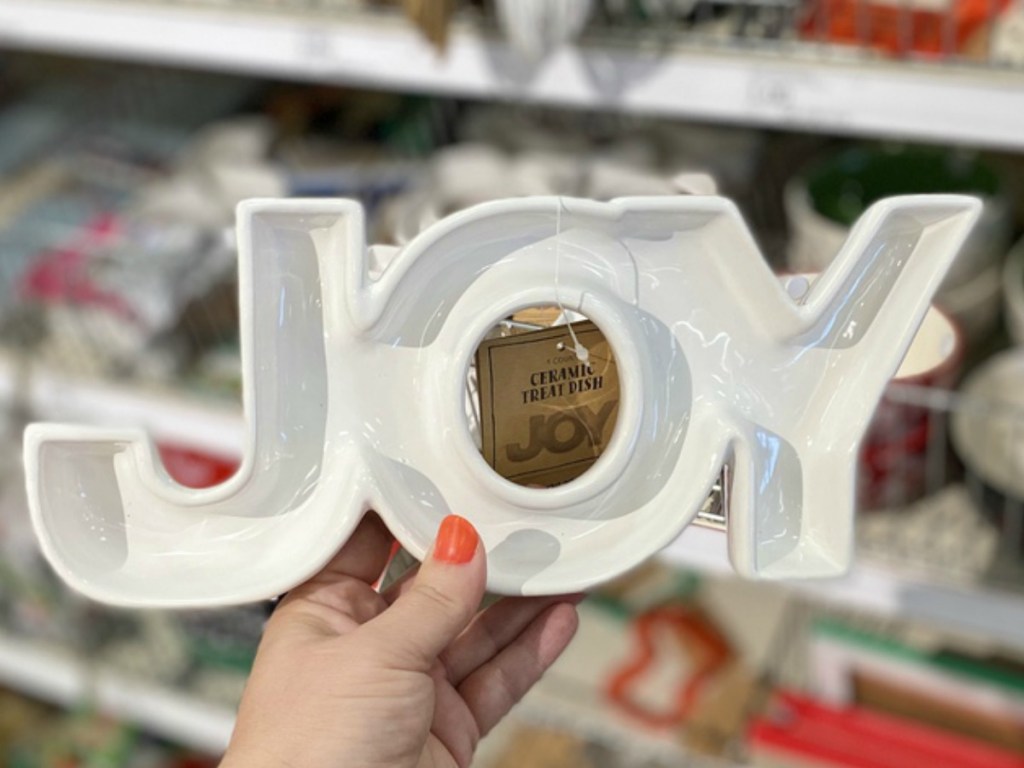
column 354, row 395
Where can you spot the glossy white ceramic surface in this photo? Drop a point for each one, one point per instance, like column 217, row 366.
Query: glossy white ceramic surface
column 815, row 238
column 354, row 395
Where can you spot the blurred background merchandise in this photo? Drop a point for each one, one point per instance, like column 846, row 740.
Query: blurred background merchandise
column 129, row 129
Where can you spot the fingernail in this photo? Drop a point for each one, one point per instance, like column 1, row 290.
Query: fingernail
column 456, row 541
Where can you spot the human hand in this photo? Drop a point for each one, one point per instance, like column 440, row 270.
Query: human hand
column 414, row 676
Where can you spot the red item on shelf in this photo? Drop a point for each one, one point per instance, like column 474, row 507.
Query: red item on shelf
column 709, row 649
column 816, row 734
column 895, row 453
column 61, row 275
column 193, row 761
column 194, row 468
column 899, row 29
column 893, row 466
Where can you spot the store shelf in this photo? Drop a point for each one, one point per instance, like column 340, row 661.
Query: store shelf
column 59, row 677
column 786, row 85
column 186, row 421
column 880, row 589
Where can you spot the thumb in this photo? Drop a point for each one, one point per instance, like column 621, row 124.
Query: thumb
column 443, row 599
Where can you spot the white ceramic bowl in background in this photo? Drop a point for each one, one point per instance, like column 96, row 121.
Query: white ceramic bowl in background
column 813, row 239
column 974, row 303
column 988, row 431
column 988, row 435
column 900, row 459
column 465, row 175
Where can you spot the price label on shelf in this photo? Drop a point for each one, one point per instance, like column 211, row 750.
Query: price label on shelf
column 796, row 96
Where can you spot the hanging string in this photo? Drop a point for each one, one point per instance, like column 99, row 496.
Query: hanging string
column 582, row 353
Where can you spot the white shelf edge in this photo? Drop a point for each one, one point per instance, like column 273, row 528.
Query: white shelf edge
column 873, row 587
column 868, row 98
column 185, row 421
column 60, row 678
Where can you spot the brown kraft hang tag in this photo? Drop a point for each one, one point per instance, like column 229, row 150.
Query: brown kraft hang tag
column 545, row 415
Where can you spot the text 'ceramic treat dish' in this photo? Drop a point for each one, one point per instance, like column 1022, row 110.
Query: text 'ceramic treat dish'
column 354, row 396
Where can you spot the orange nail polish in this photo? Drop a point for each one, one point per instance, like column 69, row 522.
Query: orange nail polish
column 456, row 541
